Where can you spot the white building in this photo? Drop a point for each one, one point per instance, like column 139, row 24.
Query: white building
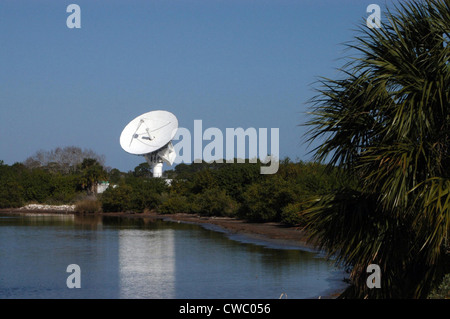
column 102, row 186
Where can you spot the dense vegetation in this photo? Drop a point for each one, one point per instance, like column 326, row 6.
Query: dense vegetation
column 20, row 184
column 208, row 189
column 387, row 122
column 240, row 190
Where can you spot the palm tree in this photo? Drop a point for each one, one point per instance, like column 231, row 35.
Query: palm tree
column 386, row 123
column 91, row 173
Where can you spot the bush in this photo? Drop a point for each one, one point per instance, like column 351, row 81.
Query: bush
column 264, row 201
column 174, row 203
column 37, row 185
column 65, row 190
column 290, row 214
column 214, row 202
column 88, row 206
column 144, row 193
column 11, row 195
column 141, row 200
column 116, row 199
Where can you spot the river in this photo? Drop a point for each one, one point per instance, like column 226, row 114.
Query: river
column 131, row 258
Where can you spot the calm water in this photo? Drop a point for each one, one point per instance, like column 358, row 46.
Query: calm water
column 143, row 258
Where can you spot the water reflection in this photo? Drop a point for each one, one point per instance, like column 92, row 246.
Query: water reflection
column 147, row 263
column 224, row 268
column 35, row 251
column 147, row 258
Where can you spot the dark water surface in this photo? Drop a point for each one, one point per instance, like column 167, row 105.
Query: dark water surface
column 144, row 258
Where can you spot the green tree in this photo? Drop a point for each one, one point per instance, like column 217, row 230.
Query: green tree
column 214, row 202
column 236, row 178
column 264, row 201
column 143, row 170
column 117, row 199
column 145, row 192
column 64, row 188
column 115, row 176
column 387, row 123
column 202, row 181
column 11, row 191
column 174, row 203
column 91, row 173
column 37, row 184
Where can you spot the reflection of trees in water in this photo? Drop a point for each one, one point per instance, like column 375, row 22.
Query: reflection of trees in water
column 273, row 258
column 138, row 222
column 201, row 256
column 38, row 219
column 88, row 221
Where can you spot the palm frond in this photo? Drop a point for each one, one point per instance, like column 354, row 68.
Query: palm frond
column 387, row 123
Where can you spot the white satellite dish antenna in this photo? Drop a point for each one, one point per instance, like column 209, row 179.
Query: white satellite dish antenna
column 150, row 135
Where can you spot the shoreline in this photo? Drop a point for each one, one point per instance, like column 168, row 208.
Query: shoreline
column 269, row 232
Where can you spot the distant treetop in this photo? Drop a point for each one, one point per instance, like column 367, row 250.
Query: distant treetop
column 62, row 159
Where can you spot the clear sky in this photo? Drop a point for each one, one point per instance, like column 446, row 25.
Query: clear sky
column 230, row 63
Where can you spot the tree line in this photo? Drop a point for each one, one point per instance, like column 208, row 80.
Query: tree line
column 207, row 189
column 20, row 185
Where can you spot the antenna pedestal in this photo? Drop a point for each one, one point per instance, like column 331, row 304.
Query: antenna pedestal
column 156, row 163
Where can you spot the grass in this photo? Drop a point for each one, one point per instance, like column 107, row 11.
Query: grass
column 88, row 205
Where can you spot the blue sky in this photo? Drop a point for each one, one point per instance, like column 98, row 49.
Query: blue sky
column 235, row 63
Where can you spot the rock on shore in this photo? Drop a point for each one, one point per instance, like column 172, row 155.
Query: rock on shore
column 64, row 208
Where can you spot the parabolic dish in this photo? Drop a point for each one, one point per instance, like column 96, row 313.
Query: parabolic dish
column 149, row 132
